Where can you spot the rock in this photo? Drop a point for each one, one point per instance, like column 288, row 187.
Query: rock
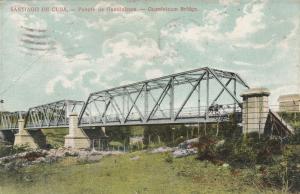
column 184, row 152
column 9, row 166
column 94, row 158
column 39, row 160
column 94, row 152
column 135, row 158
column 27, row 178
column 188, row 143
column 220, row 143
column 51, row 159
column 161, row 150
column 87, row 158
column 83, row 153
column 71, row 153
column 43, row 156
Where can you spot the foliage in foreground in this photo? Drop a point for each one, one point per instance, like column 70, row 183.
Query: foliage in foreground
column 136, row 172
column 272, row 162
column 7, row 150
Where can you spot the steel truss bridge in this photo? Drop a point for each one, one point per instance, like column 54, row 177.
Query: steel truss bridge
column 203, row 95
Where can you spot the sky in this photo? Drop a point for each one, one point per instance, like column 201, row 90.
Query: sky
column 67, row 54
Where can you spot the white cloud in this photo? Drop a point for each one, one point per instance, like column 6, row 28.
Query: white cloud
column 291, row 37
column 209, row 31
column 214, row 17
column 79, row 37
column 191, row 33
column 58, row 80
column 127, row 45
column 76, row 82
column 123, row 51
column 153, row 73
column 229, row 2
column 251, row 22
column 134, row 18
column 243, row 63
column 126, row 82
column 248, row 44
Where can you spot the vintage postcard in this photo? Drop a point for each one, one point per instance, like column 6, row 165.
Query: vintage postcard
column 149, row 96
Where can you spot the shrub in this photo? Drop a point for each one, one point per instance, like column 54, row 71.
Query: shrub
column 208, row 150
column 6, row 150
column 153, row 145
column 285, row 174
column 168, row 157
column 243, row 156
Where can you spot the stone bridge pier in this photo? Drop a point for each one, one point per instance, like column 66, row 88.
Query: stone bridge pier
column 255, row 110
column 23, row 137
column 76, row 138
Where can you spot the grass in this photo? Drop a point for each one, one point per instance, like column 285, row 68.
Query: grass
column 55, row 136
column 119, row 174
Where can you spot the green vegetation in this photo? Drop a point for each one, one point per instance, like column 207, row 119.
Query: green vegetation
column 271, row 162
column 7, row 150
column 240, row 164
column 55, row 136
column 150, row 173
column 294, row 120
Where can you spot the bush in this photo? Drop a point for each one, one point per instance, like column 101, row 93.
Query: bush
column 285, row 174
column 240, row 152
column 153, row 145
column 272, row 163
column 243, row 156
column 137, row 146
column 207, row 148
column 6, row 150
column 168, row 157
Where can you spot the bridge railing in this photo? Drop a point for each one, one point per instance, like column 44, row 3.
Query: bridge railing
column 217, row 113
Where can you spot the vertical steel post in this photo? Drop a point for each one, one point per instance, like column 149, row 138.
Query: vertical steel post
column 128, row 103
column 67, row 104
column 146, row 100
column 123, row 103
column 207, row 94
column 234, row 92
column 199, row 99
column 172, row 99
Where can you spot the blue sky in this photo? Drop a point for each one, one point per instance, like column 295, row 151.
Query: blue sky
column 95, row 51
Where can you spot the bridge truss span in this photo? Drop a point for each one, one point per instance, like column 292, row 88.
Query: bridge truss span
column 9, row 120
column 52, row 115
column 200, row 95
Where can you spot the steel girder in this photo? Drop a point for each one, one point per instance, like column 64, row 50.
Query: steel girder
column 52, row 115
column 131, row 104
column 9, row 120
